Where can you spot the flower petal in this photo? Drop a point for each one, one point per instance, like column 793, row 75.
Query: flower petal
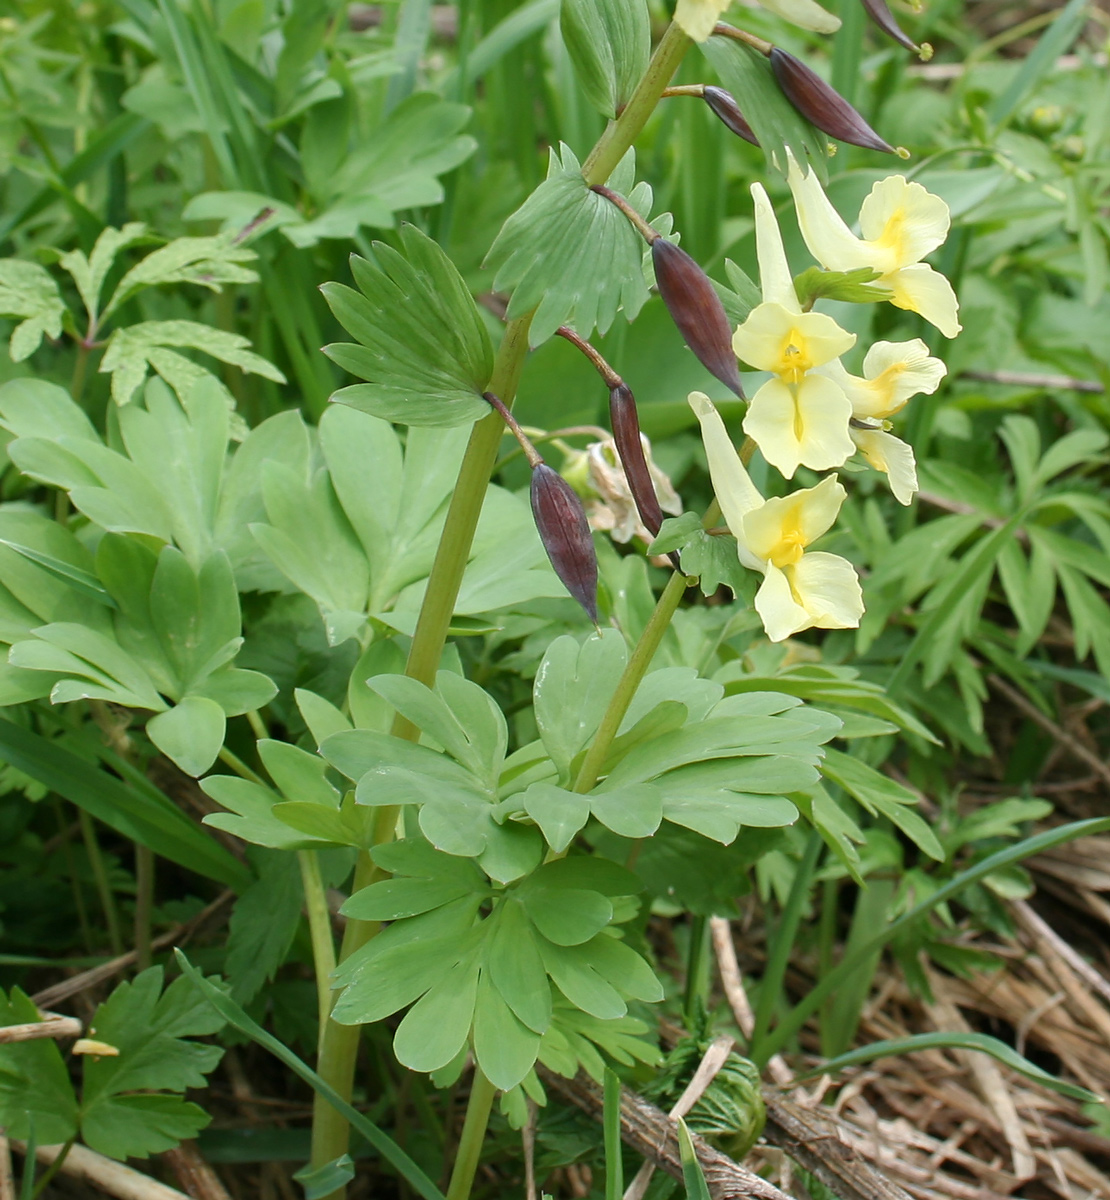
column 893, row 457
column 780, row 529
column 781, row 614
column 802, row 424
column 697, row 17
column 735, row 492
column 893, row 372
column 827, row 586
column 775, row 339
column 830, row 241
column 903, row 220
column 920, row 289
column 804, row 13
column 774, row 271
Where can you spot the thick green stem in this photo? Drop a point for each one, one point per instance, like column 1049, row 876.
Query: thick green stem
column 621, row 133
column 319, row 927
column 473, row 1135
column 336, row 1063
column 339, row 1047
column 630, row 680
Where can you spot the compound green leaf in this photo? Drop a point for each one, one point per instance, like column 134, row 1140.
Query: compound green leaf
column 504, row 1046
column 567, row 916
column 516, row 969
column 436, row 1028
column 27, row 291
column 34, row 1082
column 191, row 733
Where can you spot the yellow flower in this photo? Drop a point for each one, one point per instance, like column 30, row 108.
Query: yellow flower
column 901, row 222
column 892, row 373
column 800, row 589
column 697, row 17
column 798, row 417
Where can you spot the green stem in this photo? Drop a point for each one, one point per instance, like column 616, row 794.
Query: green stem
column 144, row 904
column 621, row 133
column 339, row 1046
column 319, row 927
column 783, row 942
column 51, row 1170
column 473, row 1135
column 336, row 1063
column 231, row 759
column 630, row 680
column 697, row 970
column 100, row 877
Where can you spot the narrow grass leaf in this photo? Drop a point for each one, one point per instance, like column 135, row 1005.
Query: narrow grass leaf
column 1006, row 1055
column 381, row 1141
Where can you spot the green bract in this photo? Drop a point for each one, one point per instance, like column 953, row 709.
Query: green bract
column 570, row 254
column 609, row 42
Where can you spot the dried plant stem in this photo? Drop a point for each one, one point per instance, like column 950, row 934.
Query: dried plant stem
column 721, row 931
column 7, row 1180
column 52, row 1025
column 110, row 1177
column 1067, row 740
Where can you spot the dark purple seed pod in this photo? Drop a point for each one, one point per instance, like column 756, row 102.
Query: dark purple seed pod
column 822, row 106
column 882, row 16
column 565, row 533
column 624, row 420
column 697, row 310
column 625, row 423
column 724, row 105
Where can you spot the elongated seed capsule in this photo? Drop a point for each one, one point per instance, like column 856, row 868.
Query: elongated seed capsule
column 724, row 105
column 878, row 11
column 624, row 420
column 697, row 310
column 821, row 105
column 565, row 533
column 625, row 423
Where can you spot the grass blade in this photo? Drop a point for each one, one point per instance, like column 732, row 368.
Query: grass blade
column 1006, row 1055
column 145, row 816
column 378, row 1138
column 797, row 1017
column 611, row 1124
column 1056, row 39
column 692, row 1174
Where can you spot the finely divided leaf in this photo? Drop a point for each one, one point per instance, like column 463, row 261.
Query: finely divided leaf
column 26, row 290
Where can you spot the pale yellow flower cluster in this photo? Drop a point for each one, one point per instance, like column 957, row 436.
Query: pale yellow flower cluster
column 697, row 17
column 812, row 412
